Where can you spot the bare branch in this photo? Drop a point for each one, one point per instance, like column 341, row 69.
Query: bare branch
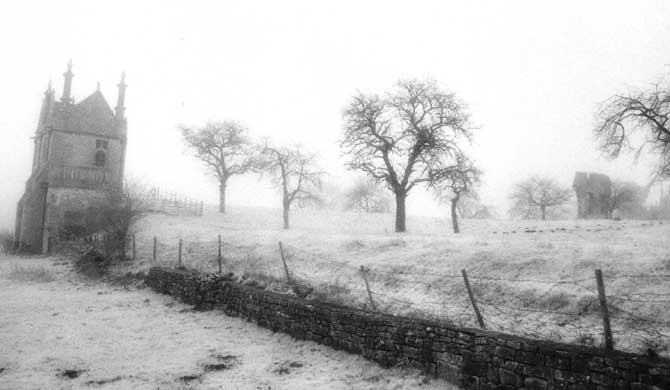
column 636, row 123
column 406, row 137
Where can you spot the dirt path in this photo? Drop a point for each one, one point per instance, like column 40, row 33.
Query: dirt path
column 72, row 334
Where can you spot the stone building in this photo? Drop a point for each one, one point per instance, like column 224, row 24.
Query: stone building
column 79, row 153
column 593, row 192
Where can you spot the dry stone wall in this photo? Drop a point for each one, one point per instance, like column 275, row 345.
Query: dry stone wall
column 470, row 358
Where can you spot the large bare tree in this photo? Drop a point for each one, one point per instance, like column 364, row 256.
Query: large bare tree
column 535, row 197
column 406, row 137
column 636, row 122
column 295, row 173
column 456, row 183
column 224, row 148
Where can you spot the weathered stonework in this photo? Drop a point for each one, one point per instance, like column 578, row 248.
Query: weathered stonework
column 79, row 153
column 470, row 358
column 593, row 192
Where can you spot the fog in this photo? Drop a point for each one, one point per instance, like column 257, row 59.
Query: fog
column 532, row 75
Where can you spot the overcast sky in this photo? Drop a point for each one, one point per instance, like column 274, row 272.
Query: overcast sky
column 532, row 75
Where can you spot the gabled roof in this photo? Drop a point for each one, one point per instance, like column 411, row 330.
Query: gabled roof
column 91, row 115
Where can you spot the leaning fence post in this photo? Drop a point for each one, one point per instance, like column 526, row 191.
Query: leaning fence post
column 154, row 256
column 367, row 287
column 134, row 250
column 283, row 260
column 472, row 299
column 607, row 331
column 180, row 252
column 219, row 257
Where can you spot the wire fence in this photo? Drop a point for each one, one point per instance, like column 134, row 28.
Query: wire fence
column 618, row 311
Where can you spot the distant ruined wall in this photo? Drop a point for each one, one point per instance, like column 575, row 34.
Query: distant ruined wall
column 470, row 358
column 593, row 192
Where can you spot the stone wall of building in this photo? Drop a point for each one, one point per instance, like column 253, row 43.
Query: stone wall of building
column 29, row 230
column 68, row 207
column 79, row 150
column 470, row 358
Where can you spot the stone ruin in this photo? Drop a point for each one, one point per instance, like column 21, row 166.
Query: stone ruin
column 593, row 192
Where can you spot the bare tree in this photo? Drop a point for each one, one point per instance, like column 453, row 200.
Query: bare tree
column 456, row 183
column 636, row 122
column 224, row 148
column 470, row 206
column 120, row 209
column 407, row 137
column 364, row 195
column 536, row 196
column 622, row 194
column 294, row 172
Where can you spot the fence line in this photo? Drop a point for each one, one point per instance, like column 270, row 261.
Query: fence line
column 173, row 203
column 387, row 291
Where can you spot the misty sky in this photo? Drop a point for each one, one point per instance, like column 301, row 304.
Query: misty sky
column 532, row 75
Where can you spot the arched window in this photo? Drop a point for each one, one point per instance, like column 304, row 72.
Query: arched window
column 100, row 158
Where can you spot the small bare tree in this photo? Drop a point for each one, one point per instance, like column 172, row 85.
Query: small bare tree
column 470, row 206
column 407, row 137
column 622, row 194
column 295, row 173
column 535, row 197
column 121, row 208
column 457, row 182
column 224, row 148
column 365, row 196
column 636, row 122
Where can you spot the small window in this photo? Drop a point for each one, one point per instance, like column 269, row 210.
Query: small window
column 100, row 144
column 100, row 158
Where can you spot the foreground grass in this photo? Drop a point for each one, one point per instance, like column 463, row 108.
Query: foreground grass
column 79, row 335
column 33, row 273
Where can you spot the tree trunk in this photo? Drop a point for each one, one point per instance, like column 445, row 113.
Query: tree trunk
column 286, row 207
column 122, row 247
column 222, row 198
column 400, row 212
column 543, row 210
column 454, row 217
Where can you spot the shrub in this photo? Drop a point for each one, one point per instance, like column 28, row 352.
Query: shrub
column 92, row 264
column 6, row 241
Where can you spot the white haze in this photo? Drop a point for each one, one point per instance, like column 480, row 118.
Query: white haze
column 531, row 73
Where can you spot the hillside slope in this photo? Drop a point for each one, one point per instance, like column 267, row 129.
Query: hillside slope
column 530, row 277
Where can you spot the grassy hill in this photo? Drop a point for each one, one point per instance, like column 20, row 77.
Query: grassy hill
column 530, row 277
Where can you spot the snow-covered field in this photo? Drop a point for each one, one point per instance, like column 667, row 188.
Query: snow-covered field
column 58, row 331
column 531, row 277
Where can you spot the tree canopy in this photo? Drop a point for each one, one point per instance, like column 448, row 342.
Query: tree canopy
column 408, row 136
column 636, row 122
column 537, row 196
column 224, row 148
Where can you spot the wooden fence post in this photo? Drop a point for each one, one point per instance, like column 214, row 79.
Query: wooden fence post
column 154, row 256
column 367, row 287
column 179, row 252
column 219, row 257
column 607, row 331
column 472, row 299
column 283, row 260
column 134, row 247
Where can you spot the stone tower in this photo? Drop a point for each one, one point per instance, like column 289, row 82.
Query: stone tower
column 593, row 192
column 79, row 153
